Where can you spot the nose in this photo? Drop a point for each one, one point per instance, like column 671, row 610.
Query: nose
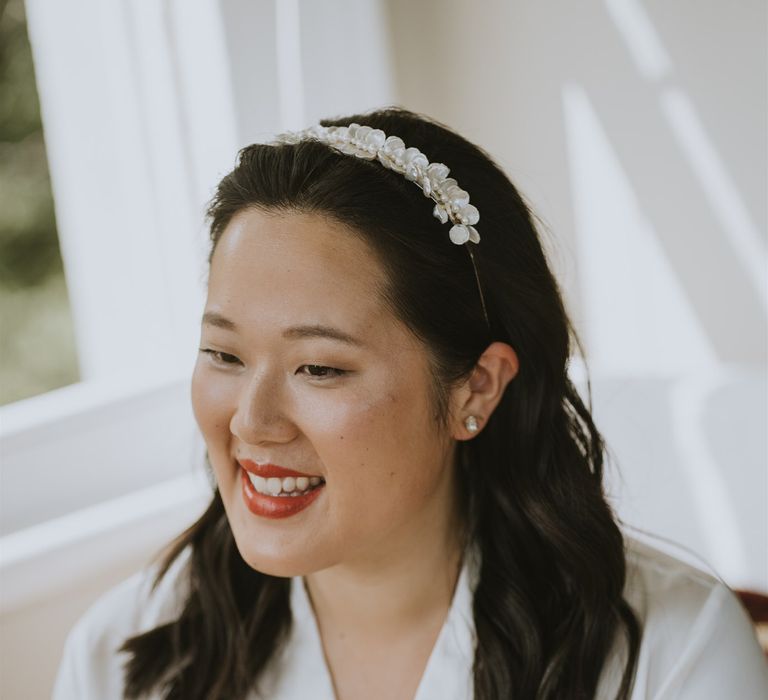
column 260, row 416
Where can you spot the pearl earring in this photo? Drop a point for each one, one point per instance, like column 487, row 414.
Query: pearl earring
column 470, row 422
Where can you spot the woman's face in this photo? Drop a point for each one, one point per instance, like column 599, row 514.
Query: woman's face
column 302, row 367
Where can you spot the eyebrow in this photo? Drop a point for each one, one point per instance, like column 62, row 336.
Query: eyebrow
column 212, row 318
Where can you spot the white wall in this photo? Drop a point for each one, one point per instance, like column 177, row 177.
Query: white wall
column 637, row 129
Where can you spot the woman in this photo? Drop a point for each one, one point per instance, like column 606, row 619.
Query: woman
column 409, row 499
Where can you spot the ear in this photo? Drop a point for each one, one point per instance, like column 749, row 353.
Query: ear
column 479, row 395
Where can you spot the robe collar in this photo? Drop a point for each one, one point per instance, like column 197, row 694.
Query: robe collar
column 302, row 671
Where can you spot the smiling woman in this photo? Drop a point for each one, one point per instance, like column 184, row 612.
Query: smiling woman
column 313, row 399
column 408, row 489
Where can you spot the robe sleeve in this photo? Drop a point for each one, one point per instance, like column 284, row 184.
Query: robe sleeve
column 720, row 657
column 91, row 667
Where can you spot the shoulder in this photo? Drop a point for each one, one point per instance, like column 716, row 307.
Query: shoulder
column 663, row 588
column 697, row 640
column 92, row 664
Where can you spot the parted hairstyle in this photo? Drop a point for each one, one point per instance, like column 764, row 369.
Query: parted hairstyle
column 549, row 603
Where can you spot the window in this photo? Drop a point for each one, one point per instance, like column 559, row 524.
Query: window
column 37, row 343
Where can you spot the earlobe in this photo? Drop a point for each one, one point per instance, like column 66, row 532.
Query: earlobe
column 495, row 369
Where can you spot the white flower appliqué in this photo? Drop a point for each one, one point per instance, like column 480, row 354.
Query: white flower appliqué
column 451, row 202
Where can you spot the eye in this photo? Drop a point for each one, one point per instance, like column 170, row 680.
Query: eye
column 321, row 371
column 220, row 358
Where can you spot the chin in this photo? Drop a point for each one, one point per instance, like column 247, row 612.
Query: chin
column 283, row 564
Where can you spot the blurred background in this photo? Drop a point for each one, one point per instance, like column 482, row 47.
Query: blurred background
column 635, row 128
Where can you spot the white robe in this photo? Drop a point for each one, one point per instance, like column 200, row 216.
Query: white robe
column 697, row 644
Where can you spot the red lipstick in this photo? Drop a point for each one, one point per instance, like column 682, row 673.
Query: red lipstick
column 268, row 470
column 269, row 506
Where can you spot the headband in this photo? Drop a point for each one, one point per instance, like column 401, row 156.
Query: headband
column 451, row 202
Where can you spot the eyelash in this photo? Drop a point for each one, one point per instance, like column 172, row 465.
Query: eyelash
column 218, row 356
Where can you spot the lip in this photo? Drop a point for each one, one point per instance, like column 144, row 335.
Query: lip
column 275, row 506
column 268, row 470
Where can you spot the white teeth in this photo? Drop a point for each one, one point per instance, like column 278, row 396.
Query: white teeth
column 289, row 486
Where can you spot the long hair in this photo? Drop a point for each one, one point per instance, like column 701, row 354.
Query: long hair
column 548, row 607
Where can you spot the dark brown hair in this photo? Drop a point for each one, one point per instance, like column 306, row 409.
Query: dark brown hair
column 549, row 603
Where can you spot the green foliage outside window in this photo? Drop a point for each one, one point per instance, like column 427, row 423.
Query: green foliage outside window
column 37, row 347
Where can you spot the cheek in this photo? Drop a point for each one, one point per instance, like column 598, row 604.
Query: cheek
column 388, row 444
column 349, row 424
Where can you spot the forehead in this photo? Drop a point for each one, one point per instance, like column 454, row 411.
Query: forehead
column 292, row 268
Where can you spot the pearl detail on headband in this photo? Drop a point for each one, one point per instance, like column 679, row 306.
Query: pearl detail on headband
column 451, row 202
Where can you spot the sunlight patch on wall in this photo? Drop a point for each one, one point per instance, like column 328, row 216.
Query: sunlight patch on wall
column 637, row 316
column 721, row 193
